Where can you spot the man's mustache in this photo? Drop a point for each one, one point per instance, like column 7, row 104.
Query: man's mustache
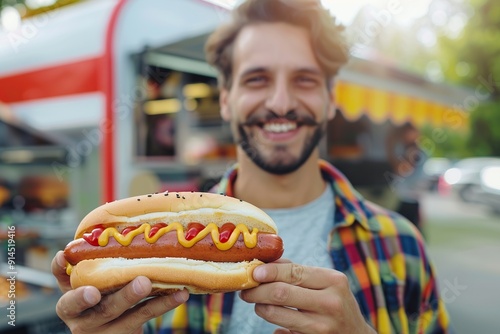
column 259, row 120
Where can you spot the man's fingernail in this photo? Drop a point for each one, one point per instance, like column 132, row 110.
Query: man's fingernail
column 61, row 262
column 259, row 274
column 181, row 296
column 90, row 296
column 138, row 287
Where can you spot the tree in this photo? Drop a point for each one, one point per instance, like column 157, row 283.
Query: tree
column 473, row 59
column 458, row 42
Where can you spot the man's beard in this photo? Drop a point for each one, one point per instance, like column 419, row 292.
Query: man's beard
column 281, row 162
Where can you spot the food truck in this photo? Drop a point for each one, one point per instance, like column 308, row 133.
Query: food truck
column 121, row 102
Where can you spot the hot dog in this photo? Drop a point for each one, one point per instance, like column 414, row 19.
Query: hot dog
column 203, row 242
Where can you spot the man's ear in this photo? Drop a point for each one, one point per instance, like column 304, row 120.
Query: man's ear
column 332, row 106
column 225, row 112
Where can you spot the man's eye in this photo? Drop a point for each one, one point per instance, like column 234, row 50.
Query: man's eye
column 255, row 80
column 307, row 81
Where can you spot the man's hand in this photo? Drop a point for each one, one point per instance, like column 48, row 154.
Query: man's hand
column 305, row 299
column 85, row 311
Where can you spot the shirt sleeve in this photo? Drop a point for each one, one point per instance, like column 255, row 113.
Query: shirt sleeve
column 432, row 316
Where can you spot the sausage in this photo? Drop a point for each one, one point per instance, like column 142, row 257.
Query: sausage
column 269, row 248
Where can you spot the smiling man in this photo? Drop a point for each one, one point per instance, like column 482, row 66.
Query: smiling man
column 349, row 266
column 278, row 104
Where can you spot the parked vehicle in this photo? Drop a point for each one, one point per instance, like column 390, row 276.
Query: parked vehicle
column 434, row 169
column 476, row 180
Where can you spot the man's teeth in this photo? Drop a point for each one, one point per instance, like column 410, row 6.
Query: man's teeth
column 280, row 127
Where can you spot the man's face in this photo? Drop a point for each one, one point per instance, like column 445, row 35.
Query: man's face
column 279, row 103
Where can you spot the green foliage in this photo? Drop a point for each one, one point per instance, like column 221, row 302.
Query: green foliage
column 445, row 142
column 483, row 138
column 477, row 48
column 473, row 59
column 485, row 129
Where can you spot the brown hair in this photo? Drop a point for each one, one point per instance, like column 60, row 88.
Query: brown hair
column 327, row 40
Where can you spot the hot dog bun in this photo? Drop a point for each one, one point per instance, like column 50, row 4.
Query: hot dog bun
column 166, row 274
column 182, row 207
column 109, row 270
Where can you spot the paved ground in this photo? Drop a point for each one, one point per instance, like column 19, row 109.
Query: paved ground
column 464, row 242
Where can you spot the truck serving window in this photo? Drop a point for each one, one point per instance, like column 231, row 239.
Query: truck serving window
column 179, row 118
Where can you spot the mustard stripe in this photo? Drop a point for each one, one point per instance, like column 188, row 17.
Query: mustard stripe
column 250, row 239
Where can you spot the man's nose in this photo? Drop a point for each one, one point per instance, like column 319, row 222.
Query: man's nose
column 281, row 98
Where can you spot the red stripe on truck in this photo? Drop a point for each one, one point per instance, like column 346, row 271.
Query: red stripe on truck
column 54, row 81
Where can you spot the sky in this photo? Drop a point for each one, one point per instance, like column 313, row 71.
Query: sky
column 346, row 10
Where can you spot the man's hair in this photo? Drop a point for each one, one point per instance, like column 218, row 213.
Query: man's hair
column 327, row 40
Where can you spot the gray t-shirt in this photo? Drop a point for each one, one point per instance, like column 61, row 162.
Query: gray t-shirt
column 303, row 244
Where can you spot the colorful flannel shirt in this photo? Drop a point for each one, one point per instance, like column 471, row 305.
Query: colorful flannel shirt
column 382, row 254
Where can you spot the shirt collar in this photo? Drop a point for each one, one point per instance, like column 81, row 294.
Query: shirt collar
column 350, row 206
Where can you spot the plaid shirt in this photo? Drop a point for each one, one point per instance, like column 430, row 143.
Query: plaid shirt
column 382, row 254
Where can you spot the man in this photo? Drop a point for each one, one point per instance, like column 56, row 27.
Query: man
column 277, row 59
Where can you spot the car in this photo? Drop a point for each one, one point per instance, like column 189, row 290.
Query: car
column 476, row 180
column 434, row 169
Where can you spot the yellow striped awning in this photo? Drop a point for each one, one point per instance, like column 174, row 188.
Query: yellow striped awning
column 356, row 100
